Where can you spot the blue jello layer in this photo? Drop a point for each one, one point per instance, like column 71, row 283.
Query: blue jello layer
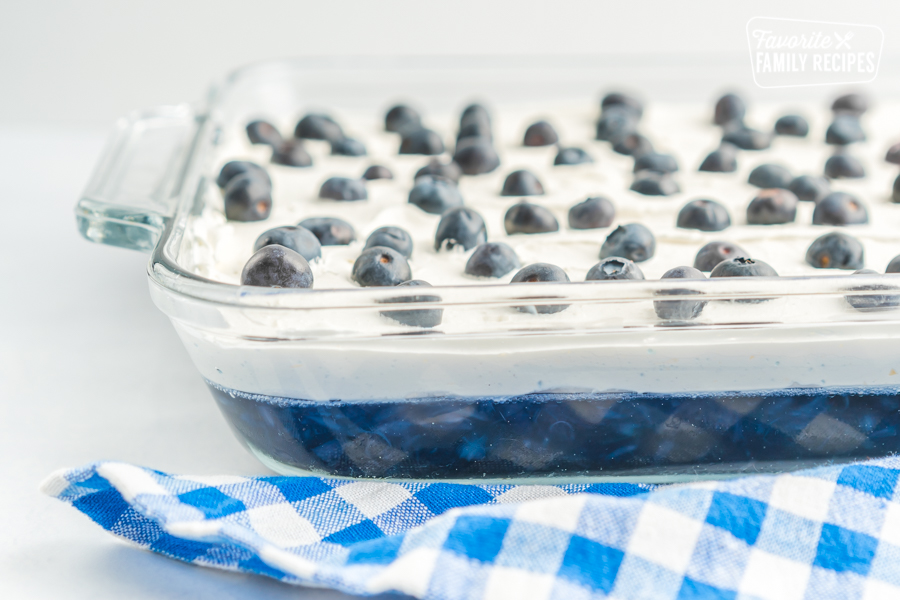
column 571, row 435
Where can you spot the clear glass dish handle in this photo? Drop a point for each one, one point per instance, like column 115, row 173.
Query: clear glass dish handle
column 132, row 193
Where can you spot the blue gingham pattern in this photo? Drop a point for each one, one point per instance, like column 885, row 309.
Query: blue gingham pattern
column 827, row 533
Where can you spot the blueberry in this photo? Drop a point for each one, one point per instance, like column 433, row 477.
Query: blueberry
column 770, row 176
column 435, row 195
column 742, row 266
column 299, row 239
column 493, row 259
column 377, row 172
column 854, row 104
column 263, row 132
column 317, row 126
column 291, row 153
column 632, row 144
column 402, row 118
column 653, row 161
column 421, row 141
column 836, row 251
column 679, row 310
column 237, row 167
column 840, row 208
column 380, row 266
column 540, row 133
column 277, row 266
column 893, row 155
column 475, row 113
column 449, row 170
column 343, row 188
column 870, row 302
column 721, row 160
column 391, row 237
column 810, row 188
column 593, row 213
column 248, row 197
column 632, row 241
column 525, row 217
column 715, row 252
column 651, row 183
column 793, row 125
column 614, row 123
column 536, row 273
column 423, row 317
column 844, row 166
column 895, row 193
column 522, row 183
column 623, row 101
column 572, row 156
column 746, row 138
column 460, row 227
column 476, row 156
column 347, row 147
column 845, row 129
column 614, row 268
column 772, row 207
column 705, row 215
column 894, row 265
column 475, row 129
column 730, row 108
column 331, row 231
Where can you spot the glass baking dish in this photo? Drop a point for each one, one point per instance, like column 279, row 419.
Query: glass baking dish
column 777, row 374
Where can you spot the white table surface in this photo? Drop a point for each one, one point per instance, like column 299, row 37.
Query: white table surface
column 90, row 370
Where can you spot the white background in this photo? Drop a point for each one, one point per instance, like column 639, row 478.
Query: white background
column 89, row 369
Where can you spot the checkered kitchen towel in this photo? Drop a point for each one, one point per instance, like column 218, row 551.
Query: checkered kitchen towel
column 828, row 533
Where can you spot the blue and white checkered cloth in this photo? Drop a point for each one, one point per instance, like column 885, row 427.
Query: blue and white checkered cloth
column 828, row 533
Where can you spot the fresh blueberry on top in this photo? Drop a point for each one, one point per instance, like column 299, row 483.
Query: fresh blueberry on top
column 476, row 156
column 248, row 197
column 291, row 153
column 475, row 113
column 343, row 188
column 721, row 160
column 854, row 104
column 421, row 141
column 263, row 132
column 746, row 138
column 894, row 265
column 435, row 194
column 377, row 172
column 540, row 133
column 836, row 250
column 705, row 215
column 537, row 273
column 895, row 193
column 522, row 183
column 792, row 125
column 715, row 252
column 480, row 129
column 331, row 231
column 772, row 207
column 493, row 259
column 869, row 302
column 893, row 155
column 840, row 208
column 237, row 167
column 845, row 129
column 614, row 123
column 449, row 170
column 770, row 176
column 654, row 161
column 844, row 166
column 679, row 310
column 730, row 108
column 402, row 118
column 572, row 156
column 348, row 147
column 422, row 317
column 621, row 100
column 810, row 188
column 277, row 266
column 391, row 237
column 651, row 183
column 632, row 241
column 525, row 217
column 317, row 126
column 742, row 266
column 380, row 266
column 614, row 268
column 632, row 144
column 299, row 239
column 593, row 213
column 460, row 227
